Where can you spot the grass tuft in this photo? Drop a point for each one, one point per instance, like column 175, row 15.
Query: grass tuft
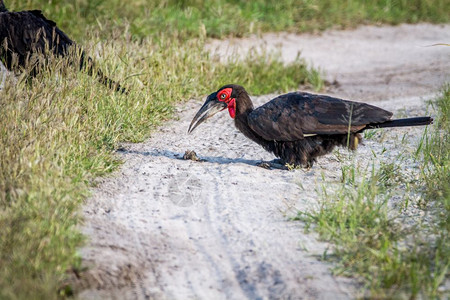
column 434, row 149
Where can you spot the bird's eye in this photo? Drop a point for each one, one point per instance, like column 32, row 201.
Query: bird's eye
column 223, row 96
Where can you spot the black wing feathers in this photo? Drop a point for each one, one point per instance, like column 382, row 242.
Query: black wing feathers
column 26, row 32
column 292, row 116
column 40, row 16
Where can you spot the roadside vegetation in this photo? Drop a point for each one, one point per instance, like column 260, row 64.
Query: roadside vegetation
column 220, row 18
column 389, row 223
column 59, row 132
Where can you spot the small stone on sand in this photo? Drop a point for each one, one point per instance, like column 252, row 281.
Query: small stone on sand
column 190, row 154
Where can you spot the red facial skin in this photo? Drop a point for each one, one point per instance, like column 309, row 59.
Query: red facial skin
column 225, row 96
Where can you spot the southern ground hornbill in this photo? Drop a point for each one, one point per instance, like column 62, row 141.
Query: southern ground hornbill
column 299, row 127
column 25, row 34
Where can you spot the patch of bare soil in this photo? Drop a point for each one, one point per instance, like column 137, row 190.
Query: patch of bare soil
column 167, row 228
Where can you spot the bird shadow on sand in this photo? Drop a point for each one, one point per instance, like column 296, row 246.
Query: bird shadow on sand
column 179, row 156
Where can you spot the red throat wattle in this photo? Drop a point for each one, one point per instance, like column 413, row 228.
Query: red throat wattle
column 232, row 108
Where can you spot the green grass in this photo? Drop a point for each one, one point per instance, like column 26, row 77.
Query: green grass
column 374, row 240
column 434, row 149
column 219, row 18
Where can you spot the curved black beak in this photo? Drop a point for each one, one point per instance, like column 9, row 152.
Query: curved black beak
column 211, row 106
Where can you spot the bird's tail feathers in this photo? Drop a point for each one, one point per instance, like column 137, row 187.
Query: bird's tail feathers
column 419, row 121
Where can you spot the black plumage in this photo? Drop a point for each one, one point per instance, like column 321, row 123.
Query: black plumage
column 26, row 34
column 299, row 127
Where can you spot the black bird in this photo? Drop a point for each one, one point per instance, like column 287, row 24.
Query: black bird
column 27, row 33
column 299, row 127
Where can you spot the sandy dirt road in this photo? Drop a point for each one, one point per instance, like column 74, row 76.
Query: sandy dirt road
column 166, row 228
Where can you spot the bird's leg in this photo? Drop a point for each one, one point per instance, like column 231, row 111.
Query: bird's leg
column 310, row 163
column 274, row 164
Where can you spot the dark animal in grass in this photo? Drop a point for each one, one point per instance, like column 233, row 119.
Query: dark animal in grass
column 299, row 127
column 25, row 34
